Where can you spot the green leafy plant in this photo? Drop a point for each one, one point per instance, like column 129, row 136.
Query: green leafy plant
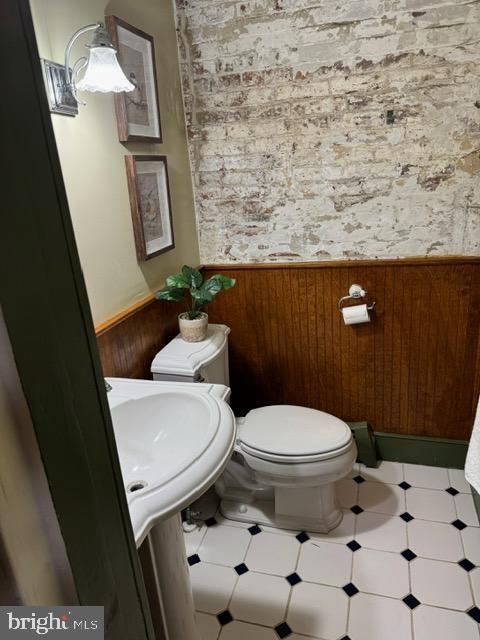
column 201, row 293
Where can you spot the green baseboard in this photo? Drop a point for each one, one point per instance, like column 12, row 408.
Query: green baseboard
column 436, row 452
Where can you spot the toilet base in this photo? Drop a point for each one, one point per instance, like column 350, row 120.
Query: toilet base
column 310, row 509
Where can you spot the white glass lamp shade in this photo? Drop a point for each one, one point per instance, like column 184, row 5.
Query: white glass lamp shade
column 103, row 73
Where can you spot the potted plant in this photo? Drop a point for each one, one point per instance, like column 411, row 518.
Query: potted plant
column 193, row 323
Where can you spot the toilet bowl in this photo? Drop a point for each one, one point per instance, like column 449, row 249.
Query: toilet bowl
column 291, row 458
column 286, row 458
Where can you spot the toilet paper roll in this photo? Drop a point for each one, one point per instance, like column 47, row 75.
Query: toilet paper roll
column 356, row 314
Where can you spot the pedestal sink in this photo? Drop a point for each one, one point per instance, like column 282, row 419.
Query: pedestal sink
column 173, row 440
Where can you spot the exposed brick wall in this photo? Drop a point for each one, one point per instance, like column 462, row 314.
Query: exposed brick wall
column 333, row 129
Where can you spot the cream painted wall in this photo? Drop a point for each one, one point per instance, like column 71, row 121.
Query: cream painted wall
column 92, row 158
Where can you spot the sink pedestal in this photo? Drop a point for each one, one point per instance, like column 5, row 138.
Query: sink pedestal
column 167, row 549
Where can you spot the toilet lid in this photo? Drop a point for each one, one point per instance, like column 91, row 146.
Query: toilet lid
column 287, row 430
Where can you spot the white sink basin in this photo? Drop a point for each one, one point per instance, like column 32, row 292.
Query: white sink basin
column 173, row 440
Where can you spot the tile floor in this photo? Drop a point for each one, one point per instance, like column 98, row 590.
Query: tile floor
column 404, row 564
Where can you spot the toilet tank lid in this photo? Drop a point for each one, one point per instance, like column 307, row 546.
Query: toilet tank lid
column 187, row 358
column 293, row 431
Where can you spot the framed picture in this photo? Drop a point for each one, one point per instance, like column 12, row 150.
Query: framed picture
column 150, row 204
column 137, row 111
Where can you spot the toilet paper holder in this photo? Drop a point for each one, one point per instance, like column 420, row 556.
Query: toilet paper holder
column 354, row 293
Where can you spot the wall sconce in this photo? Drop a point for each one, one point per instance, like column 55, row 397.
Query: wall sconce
column 102, row 72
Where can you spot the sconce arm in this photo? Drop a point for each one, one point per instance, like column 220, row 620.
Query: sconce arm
column 68, row 50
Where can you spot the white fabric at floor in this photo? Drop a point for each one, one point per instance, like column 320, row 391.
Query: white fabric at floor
column 472, row 465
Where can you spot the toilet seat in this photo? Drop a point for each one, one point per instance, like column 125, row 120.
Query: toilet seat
column 272, row 457
column 290, row 434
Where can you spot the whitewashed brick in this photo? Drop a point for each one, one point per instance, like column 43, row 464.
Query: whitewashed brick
column 323, row 130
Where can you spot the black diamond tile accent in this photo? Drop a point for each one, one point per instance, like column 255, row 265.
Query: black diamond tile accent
column 466, row 564
column 302, row 537
column 408, row 554
column 345, row 638
column 458, row 524
column 224, row 617
column 406, row 516
column 293, row 579
column 210, row 522
column 404, row 485
column 356, row 509
column 353, row 545
column 195, row 559
column 474, row 613
column 452, row 491
column 411, row 601
column 359, row 479
column 241, row 569
column 350, row 589
column 255, row 530
column 283, row 630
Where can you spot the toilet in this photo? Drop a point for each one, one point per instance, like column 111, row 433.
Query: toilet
column 286, row 458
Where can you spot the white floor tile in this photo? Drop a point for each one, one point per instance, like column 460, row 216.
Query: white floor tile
column 419, row 475
column 243, row 631
column 212, row 586
column 377, row 531
column 224, row 545
column 347, row 492
column 377, row 618
column 466, row 509
column 260, row 598
column 341, row 534
column 231, row 523
column 475, row 580
column 207, row 625
column 381, row 573
column 435, row 540
column 428, row 504
column 278, row 531
column 471, row 543
column 391, row 472
column 318, row 608
column 381, row 498
column 355, row 471
column 325, row 563
column 271, row 553
column 319, row 611
column 457, row 480
column 194, row 538
column 440, row 583
column 440, row 624
column 261, row 595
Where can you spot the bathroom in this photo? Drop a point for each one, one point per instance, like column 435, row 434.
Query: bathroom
column 309, row 451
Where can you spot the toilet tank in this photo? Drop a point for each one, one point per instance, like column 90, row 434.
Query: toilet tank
column 205, row 361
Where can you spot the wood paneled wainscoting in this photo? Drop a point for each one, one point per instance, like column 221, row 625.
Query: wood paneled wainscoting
column 128, row 342
column 415, row 369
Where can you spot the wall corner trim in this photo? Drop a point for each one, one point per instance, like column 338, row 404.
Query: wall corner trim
column 128, row 311
column 123, row 314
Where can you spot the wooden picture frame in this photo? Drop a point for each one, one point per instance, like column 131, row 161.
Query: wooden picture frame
column 150, row 205
column 138, row 112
